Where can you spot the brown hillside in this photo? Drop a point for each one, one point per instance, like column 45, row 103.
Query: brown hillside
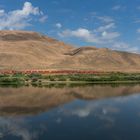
column 102, row 59
column 29, row 50
column 20, row 50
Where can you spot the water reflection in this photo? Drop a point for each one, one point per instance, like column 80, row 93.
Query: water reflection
column 85, row 112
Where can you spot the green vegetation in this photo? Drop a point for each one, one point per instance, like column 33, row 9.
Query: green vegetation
column 36, row 79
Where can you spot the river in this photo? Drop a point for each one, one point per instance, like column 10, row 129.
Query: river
column 80, row 112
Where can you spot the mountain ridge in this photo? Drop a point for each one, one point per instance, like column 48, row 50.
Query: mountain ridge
column 20, row 50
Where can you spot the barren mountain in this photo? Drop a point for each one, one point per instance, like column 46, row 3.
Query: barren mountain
column 22, row 50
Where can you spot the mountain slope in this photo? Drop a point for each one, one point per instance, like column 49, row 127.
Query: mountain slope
column 27, row 50
column 20, row 50
column 102, row 59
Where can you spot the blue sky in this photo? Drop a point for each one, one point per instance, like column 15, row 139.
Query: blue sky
column 102, row 23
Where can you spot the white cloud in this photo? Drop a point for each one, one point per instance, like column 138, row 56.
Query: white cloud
column 84, row 112
column 18, row 127
column 19, row 19
column 138, row 7
column 105, row 19
column 105, row 27
column 101, row 37
column 116, row 7
column 80, row 33
column 119, row 7
column 94, row 109
column 138, row 30
column 43, row 19
column 110, row 35
column 89, row 36
column 125, row 47
column 104, row 33
column 137, row 21
column 2, row 12
column 120, row 45
column 58, row 25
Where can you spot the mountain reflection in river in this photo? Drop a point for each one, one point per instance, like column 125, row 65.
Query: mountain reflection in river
column 78, row 113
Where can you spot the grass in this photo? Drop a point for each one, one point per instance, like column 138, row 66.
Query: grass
column 36, row 79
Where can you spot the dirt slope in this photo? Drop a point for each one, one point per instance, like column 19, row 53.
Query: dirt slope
column 20, row 50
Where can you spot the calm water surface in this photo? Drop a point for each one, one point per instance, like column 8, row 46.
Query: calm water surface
column 91, row 112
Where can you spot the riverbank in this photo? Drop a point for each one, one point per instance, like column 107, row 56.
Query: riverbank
column 43, row 79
